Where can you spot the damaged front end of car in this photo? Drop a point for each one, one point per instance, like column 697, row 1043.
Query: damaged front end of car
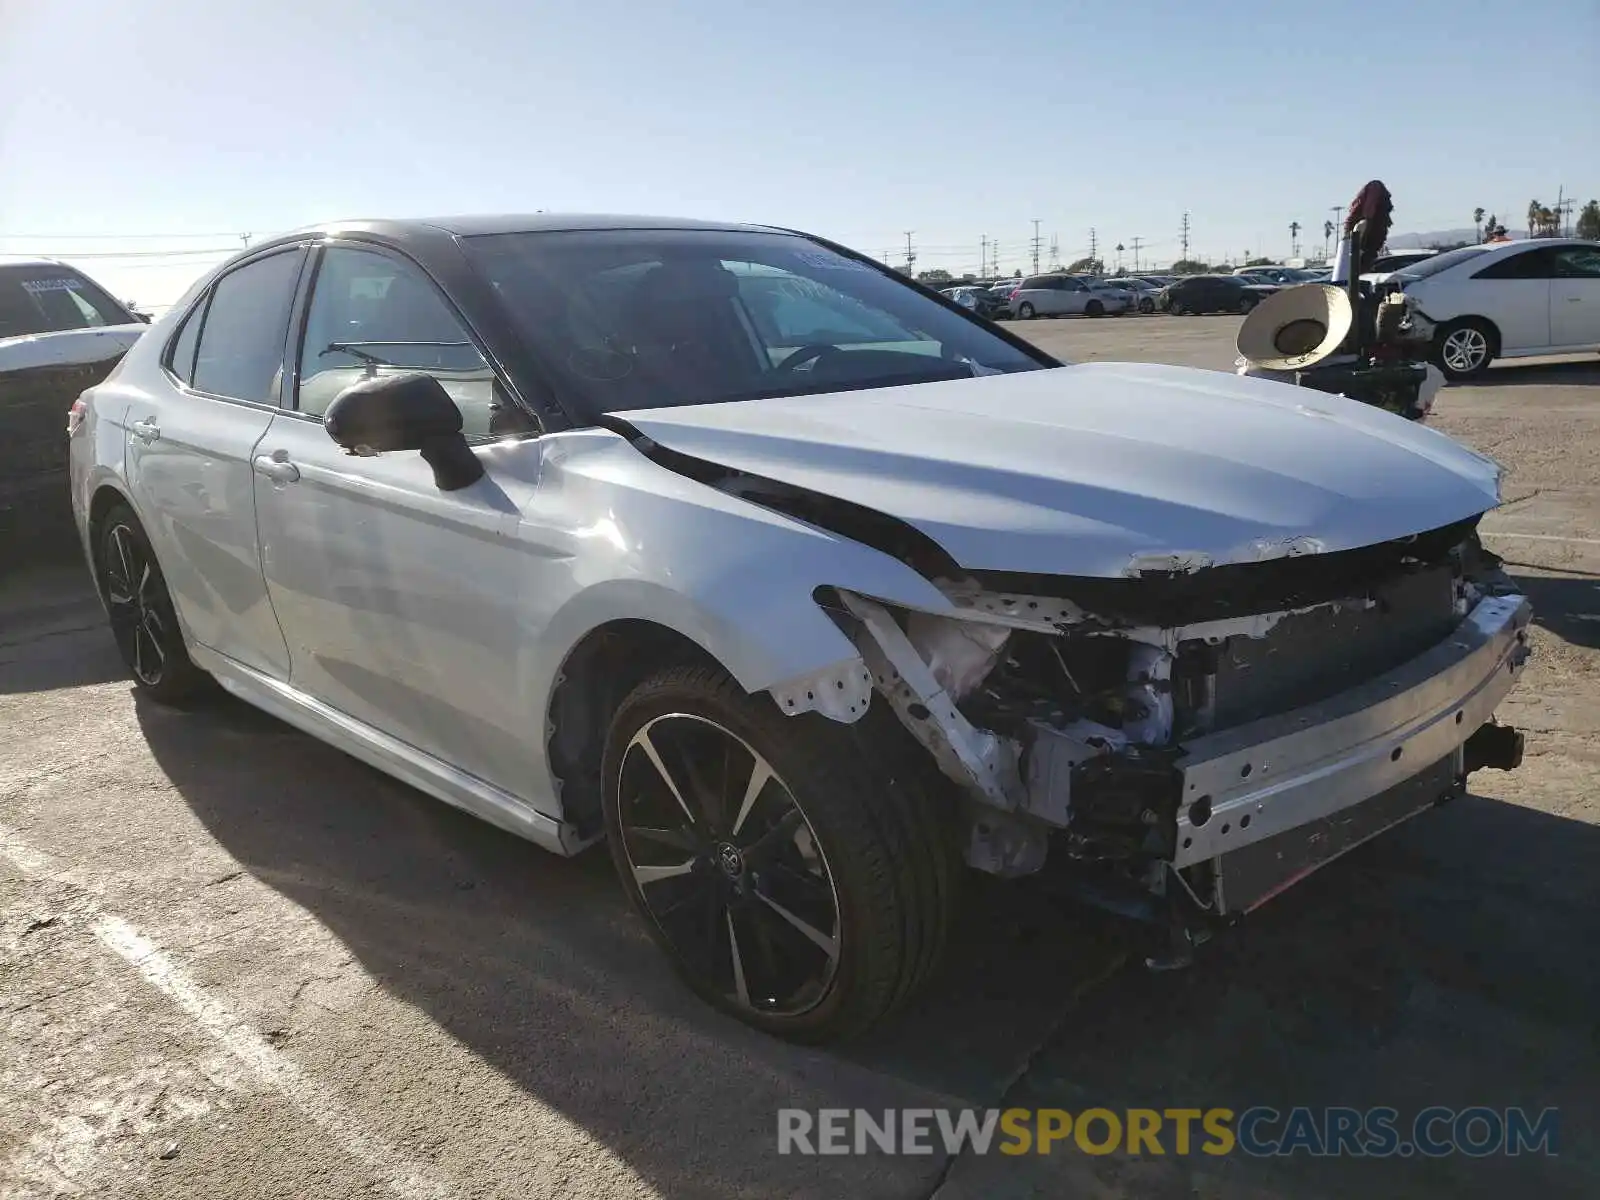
column 1193, row 740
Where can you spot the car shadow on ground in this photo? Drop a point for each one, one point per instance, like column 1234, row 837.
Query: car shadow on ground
column 1568, row 605
column 1452, row 963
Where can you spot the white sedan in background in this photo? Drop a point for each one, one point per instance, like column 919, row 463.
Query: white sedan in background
column 1513, row 300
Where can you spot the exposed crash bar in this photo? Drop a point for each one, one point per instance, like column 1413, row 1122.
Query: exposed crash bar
column 1258, row 779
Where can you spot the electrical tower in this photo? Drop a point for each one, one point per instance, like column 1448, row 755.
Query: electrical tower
column 1185, row 237
column 983, row 256
column 1055, row 252
column 1036, row 245
column 1094, row 250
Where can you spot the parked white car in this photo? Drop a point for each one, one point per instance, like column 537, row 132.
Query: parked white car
column 1508, row 300
column 1067, row 295
column 739, row 552
column 1144, row 291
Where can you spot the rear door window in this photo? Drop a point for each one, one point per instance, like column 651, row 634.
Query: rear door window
column 240, row 352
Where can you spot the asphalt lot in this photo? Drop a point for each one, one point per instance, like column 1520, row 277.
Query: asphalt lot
column 234, row 962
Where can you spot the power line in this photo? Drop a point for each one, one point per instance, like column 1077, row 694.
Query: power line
column 140, row 253
column 109, row 237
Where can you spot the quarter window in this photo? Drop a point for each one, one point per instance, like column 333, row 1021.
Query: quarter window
column 180, row 357
column 241, row 342
column 373, row 315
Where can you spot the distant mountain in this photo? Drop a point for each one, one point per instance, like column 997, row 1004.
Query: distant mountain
column 1444, row 237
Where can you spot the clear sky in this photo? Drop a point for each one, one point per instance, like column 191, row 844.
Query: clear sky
column 858, row 119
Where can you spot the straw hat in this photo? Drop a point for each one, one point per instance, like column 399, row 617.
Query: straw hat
column 1296, row 328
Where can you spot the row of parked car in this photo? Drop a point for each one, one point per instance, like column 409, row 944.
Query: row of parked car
column 1061, row 294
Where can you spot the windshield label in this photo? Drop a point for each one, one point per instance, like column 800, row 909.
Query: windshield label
column 50, row 285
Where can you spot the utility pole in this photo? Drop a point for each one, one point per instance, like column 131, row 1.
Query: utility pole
column 1136, row 242
column 245, row 238
column 1338, row 220
column 1185, row 237
column 1094, row 250
column 1036, row 245
column 911, row 253
column 983, row 257
column 1055, row 252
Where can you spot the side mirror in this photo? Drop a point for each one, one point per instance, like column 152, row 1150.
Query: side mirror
column 411, row 411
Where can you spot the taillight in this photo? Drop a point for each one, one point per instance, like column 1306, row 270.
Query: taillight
column 76, row 415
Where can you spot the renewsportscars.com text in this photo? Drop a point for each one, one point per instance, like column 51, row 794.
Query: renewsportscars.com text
column 1259, row 1131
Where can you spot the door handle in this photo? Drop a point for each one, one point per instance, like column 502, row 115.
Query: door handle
column 146, row 430
column 277, row 467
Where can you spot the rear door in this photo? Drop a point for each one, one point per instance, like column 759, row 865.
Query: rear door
column 191, row 442
column 1575, row 297
column 1514, row 293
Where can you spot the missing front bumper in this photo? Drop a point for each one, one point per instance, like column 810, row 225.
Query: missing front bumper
column 1255, row 781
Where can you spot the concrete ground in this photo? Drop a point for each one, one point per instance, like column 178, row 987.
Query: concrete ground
column 234, row 962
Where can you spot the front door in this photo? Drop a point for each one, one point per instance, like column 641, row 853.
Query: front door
column 191, row 443
column 402, row 604
column 1575, row 297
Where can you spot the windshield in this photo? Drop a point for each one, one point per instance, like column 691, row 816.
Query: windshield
column 1435, row 263
column 656, row 318
column 48, row 298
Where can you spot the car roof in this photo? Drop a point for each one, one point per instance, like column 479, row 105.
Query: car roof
column 476, row 225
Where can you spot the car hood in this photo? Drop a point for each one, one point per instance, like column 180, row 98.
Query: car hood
column 1102, row 469
column 68, row 347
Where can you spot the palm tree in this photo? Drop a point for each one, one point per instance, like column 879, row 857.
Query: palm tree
column 1119, row 256
column 1477, row 222
column 1294, row 238
column 1534, row 208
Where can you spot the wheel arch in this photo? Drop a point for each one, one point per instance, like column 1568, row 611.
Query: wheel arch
column 105, row 497
column 597, row 674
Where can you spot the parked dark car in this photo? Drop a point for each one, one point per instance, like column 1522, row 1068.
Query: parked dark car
column 60, row 333
column 1211, row 294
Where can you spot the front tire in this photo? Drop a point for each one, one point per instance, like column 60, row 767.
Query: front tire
column 793, row 884
column 1464, row 348
column 1024, row 311
column 144, row 623
column 1146, row 305
column 1246, row 304
column 1094, row 309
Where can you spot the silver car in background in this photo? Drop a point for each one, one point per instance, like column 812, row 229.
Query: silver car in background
column 1061, row 295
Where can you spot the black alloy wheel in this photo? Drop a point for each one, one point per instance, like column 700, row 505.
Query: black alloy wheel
column 727, row 865
column 790, row 884
column 143, row 621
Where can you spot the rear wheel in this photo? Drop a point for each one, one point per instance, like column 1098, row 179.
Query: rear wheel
column 143, row 621
column 1025, row 311
column 1464, row 348
column 793, row 884
column 1095, row 309
column 1246, row 303
column 1146, row 305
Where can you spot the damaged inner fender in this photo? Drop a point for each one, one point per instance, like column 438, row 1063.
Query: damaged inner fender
column 1072, row 726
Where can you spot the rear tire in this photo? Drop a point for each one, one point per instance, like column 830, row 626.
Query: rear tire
column 1246, row 304
column 1465, row 348
column 1024, row 311
column 144, row 623
column 858, row 852
column 1094, row 309
column 1147, row 305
